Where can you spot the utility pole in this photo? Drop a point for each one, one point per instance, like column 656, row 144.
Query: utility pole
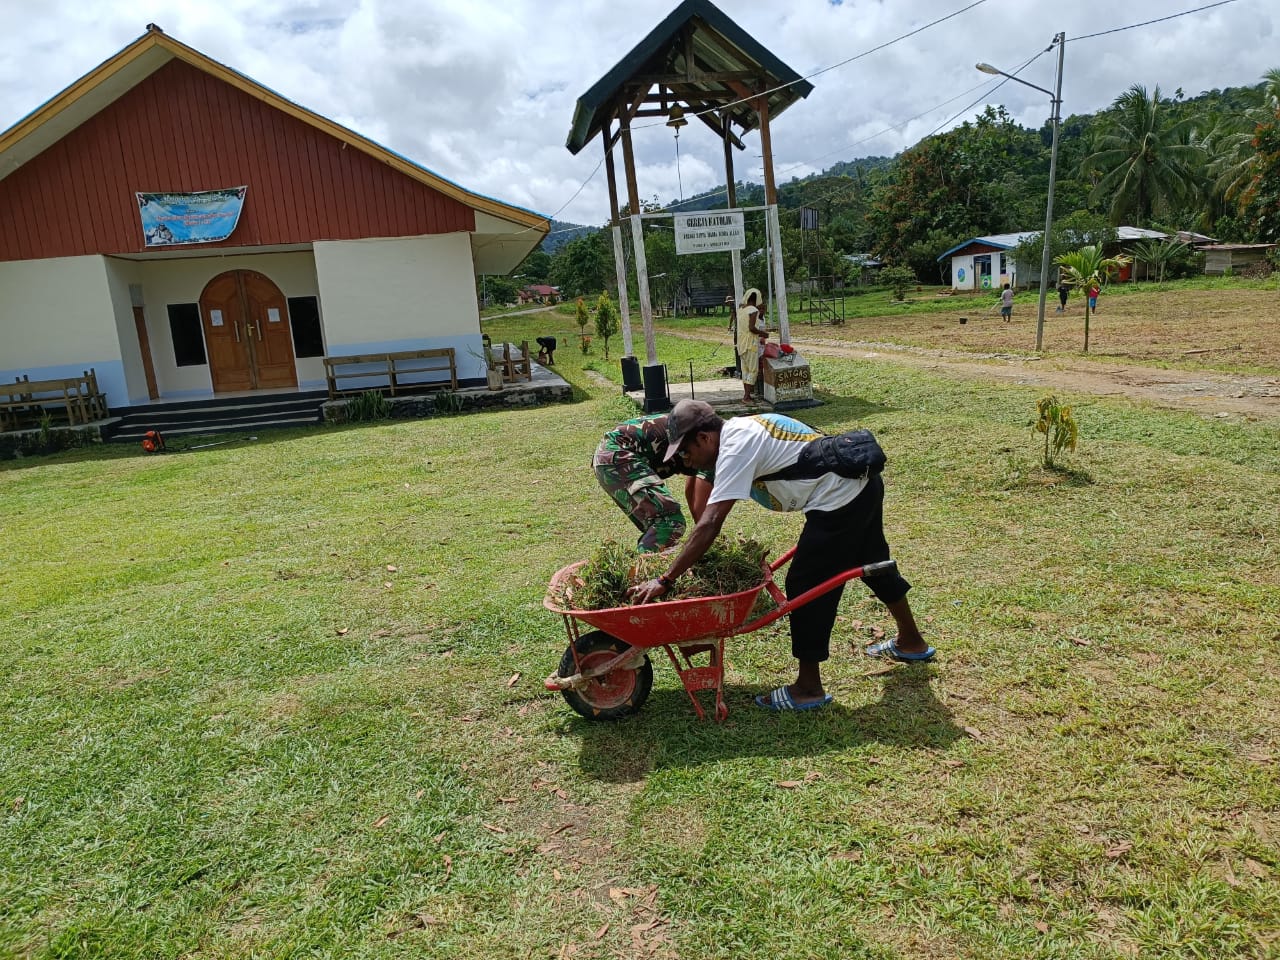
column 1061, row 41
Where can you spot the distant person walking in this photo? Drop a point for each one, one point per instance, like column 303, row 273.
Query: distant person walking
column 1093, row 297
column 1064, row 291
column 1006, row 302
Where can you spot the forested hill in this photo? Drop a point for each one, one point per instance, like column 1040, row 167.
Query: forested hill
column 1209, row 163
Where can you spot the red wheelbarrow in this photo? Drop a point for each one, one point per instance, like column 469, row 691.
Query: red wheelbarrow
column 606, row 674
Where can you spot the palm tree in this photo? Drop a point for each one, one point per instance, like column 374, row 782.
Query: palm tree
column 1084, row 267
column 1234, row 162
column 1157, row 254
column 1142, row 162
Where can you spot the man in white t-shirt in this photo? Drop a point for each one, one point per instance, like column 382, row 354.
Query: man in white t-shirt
column 844, row 528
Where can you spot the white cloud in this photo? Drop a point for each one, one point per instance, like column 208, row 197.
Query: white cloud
column 482, row 92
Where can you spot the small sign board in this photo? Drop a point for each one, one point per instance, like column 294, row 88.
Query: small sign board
column 710, row 231
column 785, row 380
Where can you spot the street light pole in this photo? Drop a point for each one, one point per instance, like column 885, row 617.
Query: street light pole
column 1055, row 98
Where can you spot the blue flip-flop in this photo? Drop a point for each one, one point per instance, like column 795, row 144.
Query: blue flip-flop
column 889, row 648
column 780, row 699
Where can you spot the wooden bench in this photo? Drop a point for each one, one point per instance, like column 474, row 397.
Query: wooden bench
column 392, row 367
column 78, row 397
column 515, row 365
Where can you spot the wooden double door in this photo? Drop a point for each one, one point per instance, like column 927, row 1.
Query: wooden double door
column 246, row 333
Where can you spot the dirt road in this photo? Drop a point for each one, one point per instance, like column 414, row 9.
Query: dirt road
column 1212, row 394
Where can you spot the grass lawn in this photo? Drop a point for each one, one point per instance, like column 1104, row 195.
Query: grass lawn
column 283, row 698
column 1205, row 323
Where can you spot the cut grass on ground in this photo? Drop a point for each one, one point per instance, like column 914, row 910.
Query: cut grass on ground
column 283, row 698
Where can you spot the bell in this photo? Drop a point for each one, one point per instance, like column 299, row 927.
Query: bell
column 676, row 118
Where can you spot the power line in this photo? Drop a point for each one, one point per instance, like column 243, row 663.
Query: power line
column 822, row 70
column 1147, row 23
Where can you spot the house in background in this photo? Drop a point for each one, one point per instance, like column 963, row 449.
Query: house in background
column 864, row 268
column 987, row 263
column 187, row 232
column 1221, row 257
column 539, row 293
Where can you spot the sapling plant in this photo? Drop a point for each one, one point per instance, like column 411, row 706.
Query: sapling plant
column 1055, row 421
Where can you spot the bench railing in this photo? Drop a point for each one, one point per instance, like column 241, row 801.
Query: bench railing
column 392, row 368
column 26, row 400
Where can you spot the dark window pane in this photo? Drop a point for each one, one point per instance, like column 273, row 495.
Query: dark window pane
column 188, row 338
column 304, row 318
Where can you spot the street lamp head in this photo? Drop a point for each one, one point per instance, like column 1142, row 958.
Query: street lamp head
column 987, row 68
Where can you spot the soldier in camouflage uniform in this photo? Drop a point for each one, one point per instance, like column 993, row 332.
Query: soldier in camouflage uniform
column 630, row 467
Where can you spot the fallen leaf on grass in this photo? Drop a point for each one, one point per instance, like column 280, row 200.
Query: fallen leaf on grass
column 605, row 929
column 952, row 763
column 343, row 631
column 787, row 784
column 852, row 855
column 877, row 633
column 881, row 671
column 560, row 793
column 438, row 837
column 1120, row 849
column 18, row 802
column 418, row 795
column 387, row 584
column 555, row 872
column 381, row 821
column 508, row 799
column 448, row 866
column 811, row 776
column 1042, row 927
column 515, row 677
column 975, row 733
column 392, row 568
column 1081, row 642
column 562, row 828
column 493, row 828
column 379, row 634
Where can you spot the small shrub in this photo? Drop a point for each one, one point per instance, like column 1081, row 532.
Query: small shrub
column 447, row 402
column 370, row 405
column 1058, row 426
column 586, row 344
column 899, row 280
column 606, row 321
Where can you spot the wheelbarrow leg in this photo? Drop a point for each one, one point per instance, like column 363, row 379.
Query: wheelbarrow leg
column 708, row 677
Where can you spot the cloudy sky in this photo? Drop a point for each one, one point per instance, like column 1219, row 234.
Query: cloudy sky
column 483, row 91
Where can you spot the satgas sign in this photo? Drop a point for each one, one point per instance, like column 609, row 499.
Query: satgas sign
column 710, row 231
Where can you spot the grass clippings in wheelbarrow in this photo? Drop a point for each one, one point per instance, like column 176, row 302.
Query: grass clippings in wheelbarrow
column 727, row 567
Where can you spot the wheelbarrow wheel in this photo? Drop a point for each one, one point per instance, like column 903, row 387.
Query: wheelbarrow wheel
column 618, row 693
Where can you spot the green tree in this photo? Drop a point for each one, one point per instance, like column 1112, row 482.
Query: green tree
column 1078, row 229
column 898, row 279
column 584, row 265
column 606, row 321
column 536, row 267
column 1083, row 268
column 968, row 181
column 1144, row 162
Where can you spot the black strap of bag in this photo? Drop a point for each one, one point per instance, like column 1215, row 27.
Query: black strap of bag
column 852, row 454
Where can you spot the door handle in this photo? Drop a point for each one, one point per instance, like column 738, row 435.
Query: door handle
column 248, row 331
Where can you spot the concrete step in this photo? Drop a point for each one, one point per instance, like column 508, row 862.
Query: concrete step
column 135, row 434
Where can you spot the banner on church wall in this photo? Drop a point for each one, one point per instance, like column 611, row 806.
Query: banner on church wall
column 172, row 219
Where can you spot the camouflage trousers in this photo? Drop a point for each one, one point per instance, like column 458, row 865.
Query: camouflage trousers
column 642, row 495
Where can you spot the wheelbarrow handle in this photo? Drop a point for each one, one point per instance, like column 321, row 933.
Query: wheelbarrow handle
column 784, row 608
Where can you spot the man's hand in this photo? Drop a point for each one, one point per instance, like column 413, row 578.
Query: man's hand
column 648, row 591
